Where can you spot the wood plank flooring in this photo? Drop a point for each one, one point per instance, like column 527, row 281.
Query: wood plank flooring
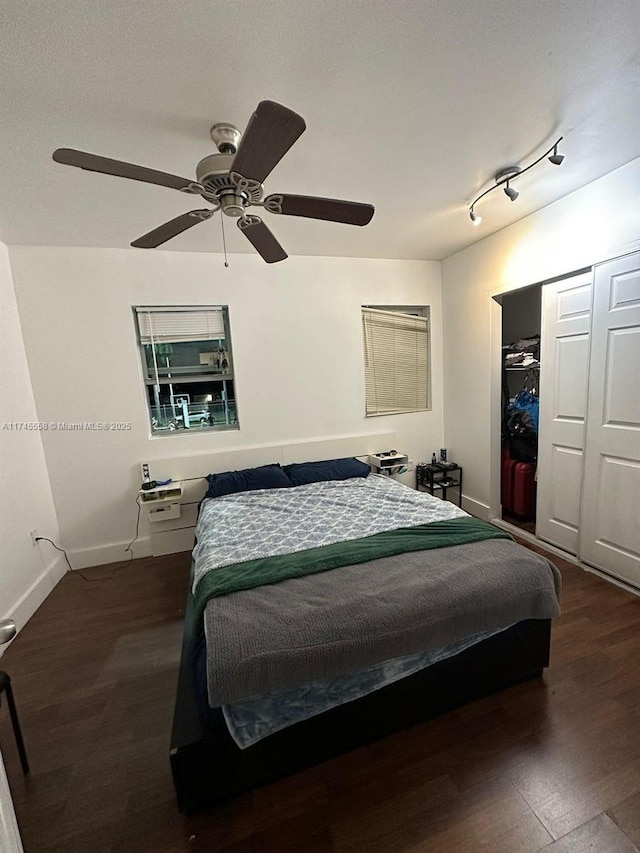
column 552, row 764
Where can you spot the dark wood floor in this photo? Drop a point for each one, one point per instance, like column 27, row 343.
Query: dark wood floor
column 553, row 764
column 529, row 524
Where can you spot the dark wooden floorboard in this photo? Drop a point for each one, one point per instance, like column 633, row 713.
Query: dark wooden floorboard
column 553, row 764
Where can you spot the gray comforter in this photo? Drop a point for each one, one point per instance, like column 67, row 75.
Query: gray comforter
column 275, row 637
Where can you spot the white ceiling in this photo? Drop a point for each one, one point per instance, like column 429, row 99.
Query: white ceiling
column 411, row 105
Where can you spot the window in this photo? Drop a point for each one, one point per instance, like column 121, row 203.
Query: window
column 187, row 367
column 396, row 359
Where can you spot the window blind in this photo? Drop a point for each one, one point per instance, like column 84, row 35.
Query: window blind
column 173, row 325
column 396, row 357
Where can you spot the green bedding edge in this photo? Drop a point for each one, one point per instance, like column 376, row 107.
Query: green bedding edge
column 268, row 570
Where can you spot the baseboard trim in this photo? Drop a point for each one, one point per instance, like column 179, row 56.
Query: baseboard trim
column 113, row 552
column 535, row 540
column 31, row 600
column 476, row 508
column 570, row 558
column 611, row 579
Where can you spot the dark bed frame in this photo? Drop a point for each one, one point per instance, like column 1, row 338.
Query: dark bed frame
column 209, row 768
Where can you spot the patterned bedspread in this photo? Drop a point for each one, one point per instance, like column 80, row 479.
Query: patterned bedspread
column 251, row 525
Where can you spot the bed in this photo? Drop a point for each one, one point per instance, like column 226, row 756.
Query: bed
column 324, row 613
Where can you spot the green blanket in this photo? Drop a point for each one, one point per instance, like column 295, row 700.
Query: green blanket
column 267, row 570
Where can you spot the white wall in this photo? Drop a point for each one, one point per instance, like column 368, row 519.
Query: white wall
column 27, row 573
column 596, row 222
column 297, row 344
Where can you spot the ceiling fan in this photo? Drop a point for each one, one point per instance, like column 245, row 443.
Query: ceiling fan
column 231, row 181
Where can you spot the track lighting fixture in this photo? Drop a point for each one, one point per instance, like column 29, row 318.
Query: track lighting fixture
column 556, row 158
column 504, row 176
column 513, row 194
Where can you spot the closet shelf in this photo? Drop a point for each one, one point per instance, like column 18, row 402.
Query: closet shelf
column 521, row 369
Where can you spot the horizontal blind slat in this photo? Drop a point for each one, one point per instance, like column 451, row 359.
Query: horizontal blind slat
column 175, row 326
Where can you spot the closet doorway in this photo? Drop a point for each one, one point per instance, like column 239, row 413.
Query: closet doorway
column 520, row 363
column 585, row 403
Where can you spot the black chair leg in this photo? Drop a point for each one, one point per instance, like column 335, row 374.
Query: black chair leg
column 16, row 729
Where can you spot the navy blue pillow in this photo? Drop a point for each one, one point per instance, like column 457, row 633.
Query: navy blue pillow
column 247, row 480
column 301, row 473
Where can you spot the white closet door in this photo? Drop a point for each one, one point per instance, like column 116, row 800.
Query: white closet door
column 610, row 531
column 564, row 371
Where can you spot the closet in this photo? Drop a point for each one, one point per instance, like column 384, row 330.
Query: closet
column 521, row 324
column 588, row 465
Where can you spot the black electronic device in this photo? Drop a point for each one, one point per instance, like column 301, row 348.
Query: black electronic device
column 149, row 484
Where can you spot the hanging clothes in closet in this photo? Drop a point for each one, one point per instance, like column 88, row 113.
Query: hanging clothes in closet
column 520, row 427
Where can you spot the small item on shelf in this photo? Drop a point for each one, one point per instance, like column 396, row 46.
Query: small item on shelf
column 434, row 461
column 387, row 459
column 160, row 492
column 443, row 454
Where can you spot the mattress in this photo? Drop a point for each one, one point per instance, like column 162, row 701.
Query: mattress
column 281, row 652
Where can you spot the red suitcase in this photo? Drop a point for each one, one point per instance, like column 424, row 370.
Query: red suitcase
column 524, row 490
column 508, row 466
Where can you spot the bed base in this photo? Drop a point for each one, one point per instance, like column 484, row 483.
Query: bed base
column 208, row 767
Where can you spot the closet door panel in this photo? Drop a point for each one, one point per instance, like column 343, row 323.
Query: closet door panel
column 564, row 359
column 571, row 372
column 565, row 499
column 622, row 408
column 610, row 533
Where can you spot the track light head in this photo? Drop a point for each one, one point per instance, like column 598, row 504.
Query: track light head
column 475, row 218
column 513, row 194
column 556, row 158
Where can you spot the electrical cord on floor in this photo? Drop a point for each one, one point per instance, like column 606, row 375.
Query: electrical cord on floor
column 46, row 539
column 113, row 573
column 128, row 548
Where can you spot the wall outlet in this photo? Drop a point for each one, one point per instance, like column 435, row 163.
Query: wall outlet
column 33, row 535
column 145, row 471
column 411, row 465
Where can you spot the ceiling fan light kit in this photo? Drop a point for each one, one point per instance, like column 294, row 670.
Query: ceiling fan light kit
column 232, row 181
column 503, row 178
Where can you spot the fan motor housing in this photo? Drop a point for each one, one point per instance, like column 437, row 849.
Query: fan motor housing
column 213, row 173
column 232, row 203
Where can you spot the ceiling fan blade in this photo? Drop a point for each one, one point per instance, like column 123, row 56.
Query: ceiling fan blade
column 313, row 207
column 271, row 132
column 94, row 163
column 171, row 229
column 262, row 239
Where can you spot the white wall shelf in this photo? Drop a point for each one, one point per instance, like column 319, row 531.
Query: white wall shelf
column 162, row 494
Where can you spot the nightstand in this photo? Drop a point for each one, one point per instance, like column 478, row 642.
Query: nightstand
column 161, row 494
column 440, row 478
column 163, row 502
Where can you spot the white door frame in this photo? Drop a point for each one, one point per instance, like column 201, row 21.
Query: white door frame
column 9, row 835
column 495, row 473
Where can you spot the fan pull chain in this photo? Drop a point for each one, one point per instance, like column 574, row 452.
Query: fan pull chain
column 224, row 242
